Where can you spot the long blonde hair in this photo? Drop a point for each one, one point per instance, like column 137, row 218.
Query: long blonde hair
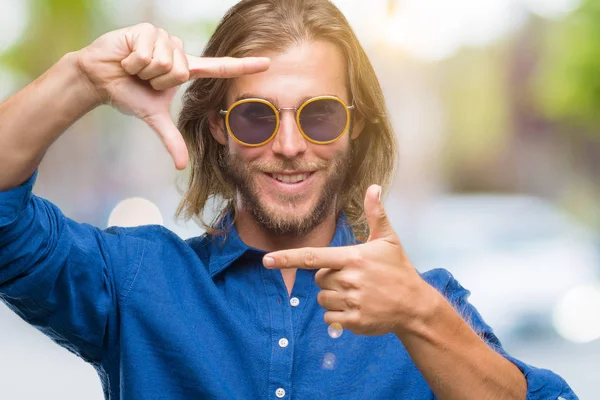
column 254, row 26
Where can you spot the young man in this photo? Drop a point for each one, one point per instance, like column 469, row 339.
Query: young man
column 254, row 309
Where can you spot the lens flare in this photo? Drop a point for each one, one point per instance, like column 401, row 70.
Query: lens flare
column 335, row 330
column 329, row 361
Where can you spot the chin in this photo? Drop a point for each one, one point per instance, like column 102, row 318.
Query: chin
column 297, row 218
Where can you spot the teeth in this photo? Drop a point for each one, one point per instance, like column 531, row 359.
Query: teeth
column 290, row 178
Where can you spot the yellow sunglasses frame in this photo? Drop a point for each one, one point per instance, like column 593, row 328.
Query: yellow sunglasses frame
column 277, row 111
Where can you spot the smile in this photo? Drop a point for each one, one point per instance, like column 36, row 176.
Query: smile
column 291, row 178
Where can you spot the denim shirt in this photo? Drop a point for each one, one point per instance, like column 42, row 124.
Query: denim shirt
column 163, row 318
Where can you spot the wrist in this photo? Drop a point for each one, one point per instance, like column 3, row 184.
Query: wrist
column 88, row 92
column 428, row 308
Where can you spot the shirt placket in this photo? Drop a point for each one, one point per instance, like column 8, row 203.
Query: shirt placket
column 281, row 308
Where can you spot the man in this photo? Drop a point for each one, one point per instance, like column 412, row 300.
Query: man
column 279, row 300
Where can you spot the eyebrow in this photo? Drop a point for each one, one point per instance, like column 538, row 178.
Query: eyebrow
column 244, row 96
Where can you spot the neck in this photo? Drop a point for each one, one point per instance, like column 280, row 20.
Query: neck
column 255, row 235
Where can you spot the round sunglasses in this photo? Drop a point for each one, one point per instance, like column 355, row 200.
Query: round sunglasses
column 254, row 122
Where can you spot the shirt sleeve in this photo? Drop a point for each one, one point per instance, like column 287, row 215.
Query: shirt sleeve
column 542, row 384
column 59, row 275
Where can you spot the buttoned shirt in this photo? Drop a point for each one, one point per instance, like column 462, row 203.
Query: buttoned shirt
column 164, row 318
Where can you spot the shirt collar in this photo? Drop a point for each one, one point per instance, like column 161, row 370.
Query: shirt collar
column 229, row 247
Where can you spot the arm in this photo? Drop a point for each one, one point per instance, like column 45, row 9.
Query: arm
column 373, row 289
column 453, row 358
column 32, row 119
column 136, row 69
column 105, row 71
column 64, row 277
column 446, row 303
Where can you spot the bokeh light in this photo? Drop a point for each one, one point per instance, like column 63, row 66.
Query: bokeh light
column 335, row 330
column 135, row 212
column 577, row 314
column 329, row 361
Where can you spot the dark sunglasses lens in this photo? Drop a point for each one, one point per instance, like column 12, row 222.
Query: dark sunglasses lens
column 252, row 122
column 323, row 120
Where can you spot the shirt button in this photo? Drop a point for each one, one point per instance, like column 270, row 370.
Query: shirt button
column 280, row 393
column 294, row 301
column 283, row 342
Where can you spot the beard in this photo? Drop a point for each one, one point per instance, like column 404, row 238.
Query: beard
column 288, row 223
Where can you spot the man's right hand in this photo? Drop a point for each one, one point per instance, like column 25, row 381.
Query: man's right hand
column 138, row 69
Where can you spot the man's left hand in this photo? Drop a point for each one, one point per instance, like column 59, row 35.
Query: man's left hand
column 370, row 288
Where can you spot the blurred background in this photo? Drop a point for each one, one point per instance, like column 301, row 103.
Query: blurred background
column 496, row 104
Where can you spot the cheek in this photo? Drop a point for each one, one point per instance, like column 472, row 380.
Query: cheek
column 245, row 153
column 330, row 152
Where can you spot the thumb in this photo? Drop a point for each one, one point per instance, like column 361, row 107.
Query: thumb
column 379, row 225
column 163, row 125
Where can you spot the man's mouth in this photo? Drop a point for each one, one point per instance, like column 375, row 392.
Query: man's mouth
column 291, row 178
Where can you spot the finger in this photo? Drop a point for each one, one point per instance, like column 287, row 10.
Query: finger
column 336, row 280
column 336, row 319
column 379, row 224
column 141, row 43
column 178, row 75
column 330, row 300
column 312, row 258
column 162, row 59
column 225, row 67
column 325, row 279
column 176, row 40
column 171, row 138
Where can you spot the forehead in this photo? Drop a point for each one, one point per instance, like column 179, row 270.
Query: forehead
column 302, row 71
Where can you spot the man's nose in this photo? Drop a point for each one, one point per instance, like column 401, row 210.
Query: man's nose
column 289, row 142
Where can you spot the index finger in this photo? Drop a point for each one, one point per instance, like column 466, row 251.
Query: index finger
column 225, row 67
column 309, row 258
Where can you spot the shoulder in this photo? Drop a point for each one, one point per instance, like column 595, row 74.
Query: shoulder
column 143, row 232
column 146, row 240
column 149, row 235
column 150, row 253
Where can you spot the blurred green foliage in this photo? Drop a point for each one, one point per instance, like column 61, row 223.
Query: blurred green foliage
column 568, row 84
column 489, row 112
column 55, row 27
column 476, row 94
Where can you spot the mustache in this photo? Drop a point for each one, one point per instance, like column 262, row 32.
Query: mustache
column 270, row 167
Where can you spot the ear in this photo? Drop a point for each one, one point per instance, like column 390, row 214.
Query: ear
column 357, row 126
column 216, row 123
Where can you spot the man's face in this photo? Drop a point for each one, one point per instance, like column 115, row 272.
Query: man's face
column 262, row 174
